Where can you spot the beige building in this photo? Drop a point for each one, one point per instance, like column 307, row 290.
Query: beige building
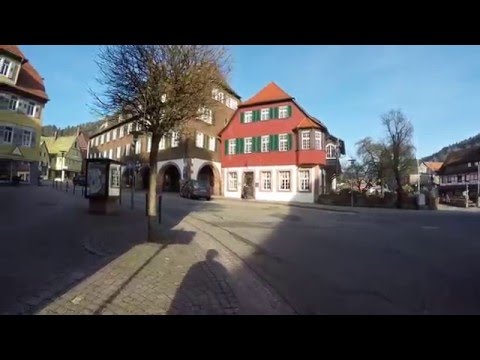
column 180, row 156
column 65, row 157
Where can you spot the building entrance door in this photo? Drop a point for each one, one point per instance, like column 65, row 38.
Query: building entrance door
column 248, row 188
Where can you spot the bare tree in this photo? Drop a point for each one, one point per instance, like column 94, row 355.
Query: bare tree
column 355, row 175
column 160, row 88
column 399, row 133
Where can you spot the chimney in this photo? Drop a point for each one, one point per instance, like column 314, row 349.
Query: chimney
column 56, row 135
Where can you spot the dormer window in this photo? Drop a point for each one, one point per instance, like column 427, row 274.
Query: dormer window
column 331, row 151
column 30, row 108
column 305, row 140
column 4, row 66
column 13, row 103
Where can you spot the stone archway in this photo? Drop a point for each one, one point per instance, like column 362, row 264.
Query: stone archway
column 168, row 178
column 209, row 174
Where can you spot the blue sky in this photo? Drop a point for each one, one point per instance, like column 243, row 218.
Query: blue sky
column 347, row 87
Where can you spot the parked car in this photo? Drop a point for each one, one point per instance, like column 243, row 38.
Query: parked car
column 194, row 189
column 79, row 180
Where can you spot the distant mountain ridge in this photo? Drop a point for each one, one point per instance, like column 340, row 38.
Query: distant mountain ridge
column 87, row 128
column 464, row 144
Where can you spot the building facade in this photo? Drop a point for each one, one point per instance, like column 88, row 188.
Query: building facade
column 427, row 173
column 194, row 154
column 460, row 172
column 274, row 150
column 22, row 100
column 65, row 157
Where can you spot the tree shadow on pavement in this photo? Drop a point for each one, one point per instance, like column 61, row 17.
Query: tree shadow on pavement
column 205, row 290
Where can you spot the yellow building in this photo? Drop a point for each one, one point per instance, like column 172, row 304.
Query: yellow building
column 65, row 156
column 22, row 101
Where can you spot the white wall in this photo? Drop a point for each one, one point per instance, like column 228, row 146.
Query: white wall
column 274, row 195
column 197, row 164
column 178, row 162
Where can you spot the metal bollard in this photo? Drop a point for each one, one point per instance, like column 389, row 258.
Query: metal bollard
column 66, row 186
column 159, row 209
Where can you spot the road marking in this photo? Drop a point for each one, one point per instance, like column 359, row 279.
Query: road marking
column 425, row 227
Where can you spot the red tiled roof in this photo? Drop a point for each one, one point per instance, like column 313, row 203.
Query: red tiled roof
column 306, row 123
column 29, row 80
column 434, row 165
column 271, row 92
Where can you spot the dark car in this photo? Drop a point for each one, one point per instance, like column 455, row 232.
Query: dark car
column 194, row 189
column 79, row 180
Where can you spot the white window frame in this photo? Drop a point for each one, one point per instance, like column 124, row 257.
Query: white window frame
column 318, row 140
column 199, row 139
column 121, row 132
column 265, row 114
column 161, row 144
column 221, row 97
column 114, row 134
column 96, row 141
column 283, row 142
column 138, row 146
column 304, row 180
column 283, row 182
column 127, row 149
column 13, row 100
column 110, row 154
column 282, row 112
column 211, row 143
column 175, row 139
column 119, row 152
column 232, row 183
column 104, row 153
column 265, row 143
column 30, row 108
column 232, row 146
column 266, row 179
column 149, row 144
column 206, row 115
column 248, row 116
column 330, row 150
column 102, row 139
column 6, row 132
column 305, row 140
column 129, row 128
column 4, row 70
column 248, row 145
column 27, row 138
column 107, row 137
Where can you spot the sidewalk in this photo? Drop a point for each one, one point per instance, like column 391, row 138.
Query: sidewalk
column 190, row 273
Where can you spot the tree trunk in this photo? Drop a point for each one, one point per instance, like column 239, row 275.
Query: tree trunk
column 399, row 190
column 152, row 191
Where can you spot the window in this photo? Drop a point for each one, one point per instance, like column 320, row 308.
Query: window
column 265, row 143
column 110, row 154
column 247, row 116
column 232, row 146
column 214, row 93
column 248, row 145
column 5, row 65
column 96, row 141
column 318, row 140
column 305, row 140
column 127, row 150
column 265, row 114
column 283, row 142
column 231, row 103
column 232, row 181
column 221, row 97
column 26, row 138
column 283, row 112
column 108, row 136
column 149, row 144
column 161, row 144
column 138, row 146
column 7, row 134
column 449, row 179
column 175, row 138
column 30, row 108
column 129, row 128
column 211, row 143
column 120, row 135
column 475, row 176
column 199, row 139
column 330, row 151
column 304, row 183
column 102, row 138
column 284, row 180
column 114, row 134
column 266, row 180
column 105, row 153
column 206, row 115
column 13, row 103
column 459, row 178
column 119, row 152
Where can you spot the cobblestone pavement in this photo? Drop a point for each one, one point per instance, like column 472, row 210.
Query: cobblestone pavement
column 100, row 264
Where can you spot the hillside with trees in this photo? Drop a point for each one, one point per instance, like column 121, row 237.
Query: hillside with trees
column 88, row 128
column 464, row 144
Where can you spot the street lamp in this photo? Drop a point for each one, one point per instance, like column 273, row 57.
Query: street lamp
column 62, row 154
column 352, row 161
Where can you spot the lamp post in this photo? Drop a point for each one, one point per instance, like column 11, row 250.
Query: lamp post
column 352, row 161
column 135, row 135
column 62, row 154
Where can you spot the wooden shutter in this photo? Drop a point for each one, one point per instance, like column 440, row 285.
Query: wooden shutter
column 257, row 115
column 226, row 147
column 275, row 113
column 289, row 110
column 259, row 143
column 239, row 146
column 242, row 117
column 271, row 140
column 289, row 141
column 272, row 113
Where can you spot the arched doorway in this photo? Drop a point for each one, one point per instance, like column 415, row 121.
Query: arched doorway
column 208, row 174
column 145, row 176
column 169, row 178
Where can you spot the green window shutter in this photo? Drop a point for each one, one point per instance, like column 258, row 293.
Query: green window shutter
column 242, row 117
column 254, row 145
column 275, row 143
column 237, row 145
column 254, row 115
column 226, row 147
column 257, row 115
column 275, row 113
column 271, row 141
column 272, row 113
column 259, row 143
column 289, row 108
column 289, row 141
column 242, row 145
